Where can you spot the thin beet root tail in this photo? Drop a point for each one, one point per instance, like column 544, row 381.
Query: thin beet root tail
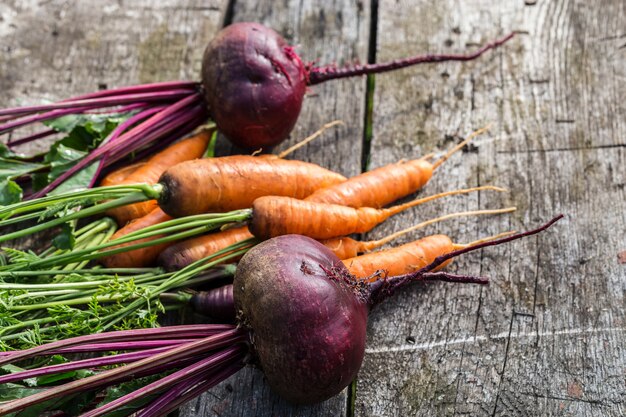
column 385, row 287
column 317, row 75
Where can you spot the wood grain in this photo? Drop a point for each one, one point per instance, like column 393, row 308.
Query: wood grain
column 547, row 336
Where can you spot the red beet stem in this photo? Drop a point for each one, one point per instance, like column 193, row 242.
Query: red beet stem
column 81, row 364
column 54, row 114
column 141, row 88
column 318, row 75
column 31, row 138
column 118, row 346
column 187, row 390
column 202, row 367
column 118, row 336
column 102, row 101
column 219, row 341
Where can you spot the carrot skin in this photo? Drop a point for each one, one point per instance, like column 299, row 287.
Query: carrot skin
column 139, row 257
column 234, row 182
column 118, row 176
column 379, row 187
column 185, row 150
column 401, row 259
column 344, row 247
column 183, row 253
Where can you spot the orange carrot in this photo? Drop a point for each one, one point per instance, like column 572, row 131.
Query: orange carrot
column 139, row 257
column 401, row 259
column 185, row 150
column 346, row 247
column 408, row 257
column 274, row 216
column 234, row 182
column 384, row 185
column 119, row 175
column 181, row 254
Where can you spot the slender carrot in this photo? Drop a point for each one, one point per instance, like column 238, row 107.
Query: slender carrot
column 274, row 216
column 184, row 253
column 119, row 175
column 384, row 185
column 346, row 247
column 138, row 257
column 408, row 257
column 185, row 150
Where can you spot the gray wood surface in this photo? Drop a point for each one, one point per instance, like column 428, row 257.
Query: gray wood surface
column 547, row 336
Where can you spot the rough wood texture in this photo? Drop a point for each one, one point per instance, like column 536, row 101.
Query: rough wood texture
column 547, row 336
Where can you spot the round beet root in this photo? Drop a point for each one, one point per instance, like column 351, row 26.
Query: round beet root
column 253, row 78
column 307, row 323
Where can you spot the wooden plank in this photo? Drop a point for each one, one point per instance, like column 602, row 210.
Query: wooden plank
column 327, row 32
column 546, row 337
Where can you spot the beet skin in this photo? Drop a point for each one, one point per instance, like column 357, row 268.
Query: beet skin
column 307, row 329
column 253, row 78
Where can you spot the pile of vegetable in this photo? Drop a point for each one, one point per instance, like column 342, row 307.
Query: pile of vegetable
column 290, row 285
column 271, row 236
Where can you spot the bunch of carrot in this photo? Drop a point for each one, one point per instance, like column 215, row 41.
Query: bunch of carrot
column 287, row 197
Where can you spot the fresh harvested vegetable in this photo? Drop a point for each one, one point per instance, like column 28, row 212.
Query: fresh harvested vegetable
column 274, row 216
column 139, row 257
column 200, row 186
column 253, row 84
column 302, row 317
column 186, row 150
column 346, row 247
column 382, row 186
column 184, row 253
column 234, row 182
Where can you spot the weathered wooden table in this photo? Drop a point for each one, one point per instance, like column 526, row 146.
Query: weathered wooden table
column 548, row 336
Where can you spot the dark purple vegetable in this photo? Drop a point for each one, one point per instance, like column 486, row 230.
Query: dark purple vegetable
column 253, row 84
column 302, row 319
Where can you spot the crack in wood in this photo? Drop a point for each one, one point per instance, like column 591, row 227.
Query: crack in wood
column 576, row 148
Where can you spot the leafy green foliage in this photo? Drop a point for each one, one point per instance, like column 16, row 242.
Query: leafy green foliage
column 84, row 133
column 65, row 239
column 10, row 192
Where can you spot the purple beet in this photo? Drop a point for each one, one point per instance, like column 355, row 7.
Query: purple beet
column 308, row 330
column 254, row 82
